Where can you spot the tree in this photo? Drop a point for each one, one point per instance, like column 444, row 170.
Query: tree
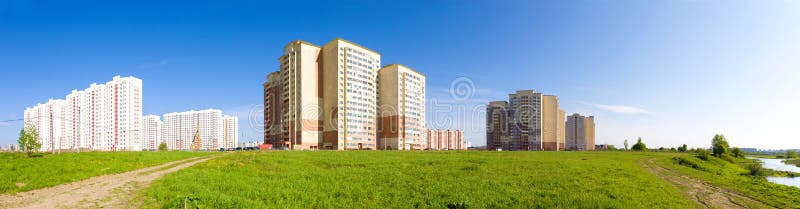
column 737, row 152
column 612, row 147
column 29, row 139
column 626, row 145
column 719, row 145
column 639, row 146
column 791, row 154
column 162, row 146
column 683, row 148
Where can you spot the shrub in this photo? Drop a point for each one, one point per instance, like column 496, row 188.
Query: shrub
column 639, row 146
column 728, row 158
column 703, row 154
column 755, row 169
column 737, row 152
column 791, row 154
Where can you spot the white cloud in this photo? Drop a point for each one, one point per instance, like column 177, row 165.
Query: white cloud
column 620, row 108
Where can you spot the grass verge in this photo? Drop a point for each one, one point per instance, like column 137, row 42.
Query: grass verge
column 19, row 173
column 378, row 179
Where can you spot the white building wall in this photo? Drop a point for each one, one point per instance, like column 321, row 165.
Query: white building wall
column 151, row 132
column 178, row 129
column 104, row 117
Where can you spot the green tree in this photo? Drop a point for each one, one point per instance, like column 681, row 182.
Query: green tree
column 162, row 146
column 626, row 145
column 639, row 146
column 703, row 154
column 791, row 154
column 29, row 139
column 683, row 148
column 612, row 147
column 737, row 152
column 719, row 145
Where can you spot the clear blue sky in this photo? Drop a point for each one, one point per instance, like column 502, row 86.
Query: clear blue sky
column 672, row 72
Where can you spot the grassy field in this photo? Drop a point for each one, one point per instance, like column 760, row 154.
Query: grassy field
column 20, row 173
column 734, row 176
column 378, row 179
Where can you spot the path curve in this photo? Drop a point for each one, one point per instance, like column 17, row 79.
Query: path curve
column 107, row 191
column 707, row 195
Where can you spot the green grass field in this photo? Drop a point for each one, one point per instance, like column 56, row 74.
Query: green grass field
column 20, row 173
column 376, row 179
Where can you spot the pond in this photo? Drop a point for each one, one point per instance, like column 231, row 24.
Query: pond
column 778, row 165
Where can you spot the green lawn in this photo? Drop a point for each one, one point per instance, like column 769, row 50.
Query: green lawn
column 20, row 173
column 385, row 179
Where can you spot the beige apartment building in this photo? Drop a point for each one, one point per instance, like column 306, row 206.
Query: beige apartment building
column 528, row 121
column 580, row 132
column 349, row 78
column 401, row 108
column 301, row 67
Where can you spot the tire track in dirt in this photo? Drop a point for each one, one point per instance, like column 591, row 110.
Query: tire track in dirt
column 107, row 191
column 707, row 195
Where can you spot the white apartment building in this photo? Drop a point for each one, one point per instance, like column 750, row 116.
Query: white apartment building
column 151, row 132
column 105, row 117
column 181, row 129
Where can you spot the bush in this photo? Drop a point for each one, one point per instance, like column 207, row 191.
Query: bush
column 737, row 152
column 755, row 169
column 728, row 158
column 639, row 146
column 791, row 154
column 703, row 154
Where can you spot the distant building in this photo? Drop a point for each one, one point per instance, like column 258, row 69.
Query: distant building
column 180, row 130
column 528, row 121
column 401, row 108
column 151, row 132
column 580, row 132
column 445, row 140
column 104, row 117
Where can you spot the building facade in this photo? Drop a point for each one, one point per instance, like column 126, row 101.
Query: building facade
column 301, row 74
column 350, row 72
column 199, row 130
column 273, row 110
column 104, row 117
column 401, row 108
column 580, row 132
column 527, row 121
column 445, row 140
column 151, row 132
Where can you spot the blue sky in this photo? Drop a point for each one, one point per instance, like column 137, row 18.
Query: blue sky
column 672, row 72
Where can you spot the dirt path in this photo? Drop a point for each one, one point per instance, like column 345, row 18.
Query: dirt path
column 707, row 195
column 107, row 191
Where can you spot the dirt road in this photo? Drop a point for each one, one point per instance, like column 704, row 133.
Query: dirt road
column 707, row 195
column 108, row 191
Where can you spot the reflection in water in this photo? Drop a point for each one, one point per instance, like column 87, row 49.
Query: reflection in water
column 778, row 165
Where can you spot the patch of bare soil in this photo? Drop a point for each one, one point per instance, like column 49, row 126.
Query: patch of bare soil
column 707, row 195
column 107, row 191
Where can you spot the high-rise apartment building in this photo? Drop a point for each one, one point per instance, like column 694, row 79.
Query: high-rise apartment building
column 206, row 129
column 273, row 110
column 105, row 117
column 350, row 95
column 301, row 66
column 401, row 107
column 580, row 132
column 230, row 132
column 528, row 121
column 445, row 140
column 497, row 133
column 151, row 132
